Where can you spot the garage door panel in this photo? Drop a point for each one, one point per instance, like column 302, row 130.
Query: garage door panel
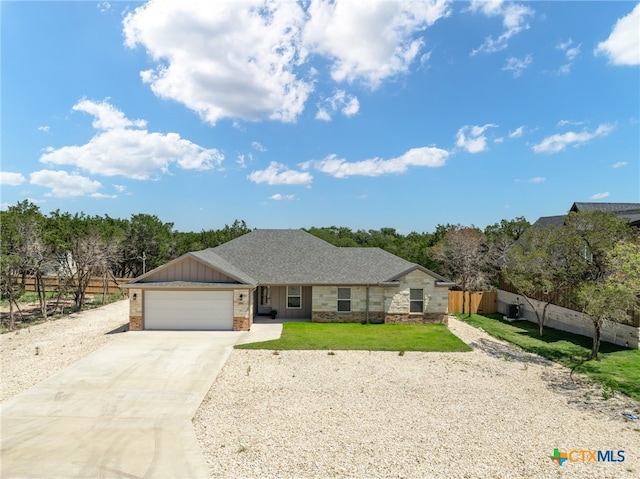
column 192, row 310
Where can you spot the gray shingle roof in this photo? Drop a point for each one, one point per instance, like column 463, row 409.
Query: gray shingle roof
column 550, row 220
column 630, row 212
column 297, row 257
column 611, row 207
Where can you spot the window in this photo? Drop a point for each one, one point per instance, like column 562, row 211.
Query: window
column 344, row 300
column 294, row 297
column 416, row 301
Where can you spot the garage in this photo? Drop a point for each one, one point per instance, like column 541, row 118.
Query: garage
column 188, row 310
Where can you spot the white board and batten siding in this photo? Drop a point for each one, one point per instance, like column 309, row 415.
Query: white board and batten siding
column 188, row 310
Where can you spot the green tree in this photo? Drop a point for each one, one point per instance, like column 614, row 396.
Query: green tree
column 573, row 260
column 148, row 243
column 500, row 239
column 542, row 261
column 21, row 251
column 601, row 252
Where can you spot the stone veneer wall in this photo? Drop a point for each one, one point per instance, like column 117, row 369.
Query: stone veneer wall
column 425, row 318
column 386, row 304
column 571, row 321
column 353, row 317
column 436, row 300
column 135, row 310
column 325, row 304
column 242, row 317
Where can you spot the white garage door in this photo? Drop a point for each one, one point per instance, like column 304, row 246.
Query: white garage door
column 188, row 310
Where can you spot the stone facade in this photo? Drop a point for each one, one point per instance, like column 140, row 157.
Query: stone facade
column 353, row 317
column 388, row 304
column 571, row 321
column 135, row 310
column 242, row 309
column 436, row 300
column 425, row 318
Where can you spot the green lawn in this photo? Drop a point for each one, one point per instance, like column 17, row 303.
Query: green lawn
column 368, row 337
column 616, row 367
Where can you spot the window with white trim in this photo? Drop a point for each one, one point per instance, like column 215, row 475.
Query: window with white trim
column 294, row 297
column 416, row 300
column 344, row 300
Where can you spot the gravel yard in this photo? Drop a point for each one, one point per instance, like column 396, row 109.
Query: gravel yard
column 491, row 413
column 32, row 354
column 495, row 412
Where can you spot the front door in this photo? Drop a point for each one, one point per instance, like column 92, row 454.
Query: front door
column 264, row 300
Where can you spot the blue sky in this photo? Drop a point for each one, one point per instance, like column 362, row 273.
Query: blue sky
column 286, row 115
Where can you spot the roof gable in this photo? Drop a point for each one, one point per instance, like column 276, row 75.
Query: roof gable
column 195, row 268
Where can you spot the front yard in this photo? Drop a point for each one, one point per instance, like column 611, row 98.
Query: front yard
column 367, row 337
column 617, row 367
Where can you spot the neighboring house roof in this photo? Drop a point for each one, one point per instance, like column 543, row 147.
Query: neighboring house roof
column 629, row 211
column 291, row 256
column 550, row 220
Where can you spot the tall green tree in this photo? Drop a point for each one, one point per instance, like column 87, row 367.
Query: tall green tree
column 573, row 260
column 500, row 239
column 542, row 264
column 598, row 235
column 148, row 243
column 22, row 251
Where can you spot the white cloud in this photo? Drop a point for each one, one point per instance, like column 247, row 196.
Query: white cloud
column 133, row 153
column 120, row 188
column 569, row 122
column 619, row 164
column 558, row 142
column 279, row 174
column 472, row 138
column 370, row 40
column 323, row 115
column 623, row 45
column 63, row 184
column 517, row 65
column 537, row 179
column 44, row 128
column 256, row 145
column 106, row 116
column 517, row 133
column 571, row 52
column 279, row 197
column 599, row 196
column 514, row 20
column 11, row 179
column 347, row 104
column 251, row 59
column 426, row 156
column 224, row 59
column 103, row 6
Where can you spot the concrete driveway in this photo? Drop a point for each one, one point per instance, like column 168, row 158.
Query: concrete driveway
column 123, row 411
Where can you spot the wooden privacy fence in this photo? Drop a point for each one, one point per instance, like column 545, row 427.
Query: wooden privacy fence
column 481, row 302
column 96, row 284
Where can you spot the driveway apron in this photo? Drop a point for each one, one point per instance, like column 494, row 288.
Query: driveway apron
column 123, row 411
